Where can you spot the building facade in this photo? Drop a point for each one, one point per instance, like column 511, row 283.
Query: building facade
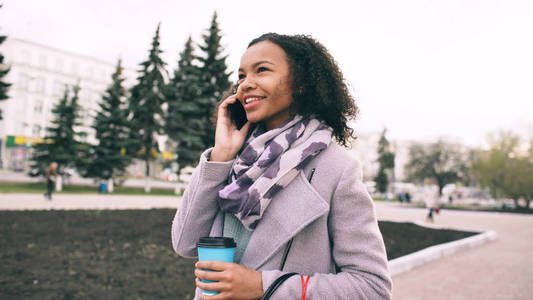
column 365, row 149
column 39, row 75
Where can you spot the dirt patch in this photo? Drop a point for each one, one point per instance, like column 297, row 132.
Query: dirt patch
column 122, row 254
column 404, row 238
column 91, row 254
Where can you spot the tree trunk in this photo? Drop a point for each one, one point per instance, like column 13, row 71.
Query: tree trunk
column 441, row 185
column 147, row 187
column 517, row 203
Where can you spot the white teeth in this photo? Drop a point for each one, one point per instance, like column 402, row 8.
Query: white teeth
column 253, row 99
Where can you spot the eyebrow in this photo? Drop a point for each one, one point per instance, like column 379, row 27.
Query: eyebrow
column 259, row 63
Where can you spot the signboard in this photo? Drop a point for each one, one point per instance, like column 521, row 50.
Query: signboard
column 18, row 141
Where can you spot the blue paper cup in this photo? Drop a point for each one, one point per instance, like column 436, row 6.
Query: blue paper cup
column 215, row 248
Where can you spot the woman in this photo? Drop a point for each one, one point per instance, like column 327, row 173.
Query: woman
column 431, row 196
column 51, row 175
column 280, row 180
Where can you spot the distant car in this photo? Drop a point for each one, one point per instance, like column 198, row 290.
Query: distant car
column 172, row 177
column 35, row 172
column 168, row 175
column 186, row 174
column 508, row 204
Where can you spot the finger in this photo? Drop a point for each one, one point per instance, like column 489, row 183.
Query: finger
column 223, row 112
column 209, row 275
column 211, row 286
column 231, row 99
column 219, row 296
column 246, row 127
column 213, row 265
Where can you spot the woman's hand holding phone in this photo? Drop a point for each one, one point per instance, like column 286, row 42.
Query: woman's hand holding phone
column 228, row 139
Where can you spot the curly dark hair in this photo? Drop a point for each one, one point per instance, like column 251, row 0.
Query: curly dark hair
column 318, row 86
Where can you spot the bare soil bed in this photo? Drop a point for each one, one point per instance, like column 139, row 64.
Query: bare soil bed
column 123, row 254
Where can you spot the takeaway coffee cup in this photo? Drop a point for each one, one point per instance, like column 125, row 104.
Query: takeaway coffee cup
column 215, row 248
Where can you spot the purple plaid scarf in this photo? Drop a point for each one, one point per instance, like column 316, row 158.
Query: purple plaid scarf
column 268, row 162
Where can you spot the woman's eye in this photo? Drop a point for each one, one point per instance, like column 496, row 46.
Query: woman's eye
column 241, row 76
column 261, row 69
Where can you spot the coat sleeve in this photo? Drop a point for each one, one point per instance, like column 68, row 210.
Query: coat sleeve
column 357, row 249
column 198, row 208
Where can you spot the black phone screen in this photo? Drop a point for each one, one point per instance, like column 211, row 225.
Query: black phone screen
column 237, row 114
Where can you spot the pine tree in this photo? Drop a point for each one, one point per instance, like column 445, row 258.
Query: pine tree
column 386, row 162
column 62, row 142
column 4, row 86
column 213, row 77
column 112, row 131
column 146, row 105
column 186, row 114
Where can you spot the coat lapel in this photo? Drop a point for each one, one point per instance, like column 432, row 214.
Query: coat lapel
column 291, row 210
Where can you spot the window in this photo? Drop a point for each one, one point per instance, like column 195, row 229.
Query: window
column 59, row 88
column 36, row 131
column 24, row 81
column 38, row 107
column 43, row 61
column 25, row 57
column 19, row 128
column 39, row 85
column 21, row 100
column 59, row 65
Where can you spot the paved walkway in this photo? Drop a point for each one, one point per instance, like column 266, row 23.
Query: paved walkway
column 85, row 201
column 502, row 269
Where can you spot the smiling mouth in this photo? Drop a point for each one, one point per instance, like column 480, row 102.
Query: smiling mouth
column 253, row 99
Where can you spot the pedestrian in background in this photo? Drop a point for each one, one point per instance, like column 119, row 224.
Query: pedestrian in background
column 431, row 197
column 51, row 176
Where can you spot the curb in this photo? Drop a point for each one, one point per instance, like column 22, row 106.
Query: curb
column 408, row 262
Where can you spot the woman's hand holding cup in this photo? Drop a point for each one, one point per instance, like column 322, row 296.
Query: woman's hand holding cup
column 231, row 280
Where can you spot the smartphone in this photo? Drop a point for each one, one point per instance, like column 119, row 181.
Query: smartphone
column 237, row 112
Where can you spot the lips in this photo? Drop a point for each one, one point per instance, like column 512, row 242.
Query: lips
column 252, row 101
column 252, row 98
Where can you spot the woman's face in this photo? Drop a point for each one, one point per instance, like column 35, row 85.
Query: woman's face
column 265, row 84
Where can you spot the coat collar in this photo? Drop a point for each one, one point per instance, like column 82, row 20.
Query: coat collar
column 291, row 210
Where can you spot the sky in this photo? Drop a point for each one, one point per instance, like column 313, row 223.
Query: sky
column 422, row 69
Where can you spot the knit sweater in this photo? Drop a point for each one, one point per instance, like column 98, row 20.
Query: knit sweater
column 234, row 228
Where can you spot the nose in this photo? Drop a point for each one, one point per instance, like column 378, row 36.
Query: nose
column 247, row 83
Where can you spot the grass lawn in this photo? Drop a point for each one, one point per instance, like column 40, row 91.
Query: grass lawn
column 123, row 254
column 40, row 188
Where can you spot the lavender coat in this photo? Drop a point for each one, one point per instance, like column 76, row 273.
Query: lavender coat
column 332, row 221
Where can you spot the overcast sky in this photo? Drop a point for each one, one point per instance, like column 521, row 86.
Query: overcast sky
column 423, row 69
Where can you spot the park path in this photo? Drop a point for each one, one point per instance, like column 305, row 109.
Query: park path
column 502, row 269
column 85, row 201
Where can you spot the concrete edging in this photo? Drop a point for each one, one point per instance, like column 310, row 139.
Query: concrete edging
column 408, row 262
